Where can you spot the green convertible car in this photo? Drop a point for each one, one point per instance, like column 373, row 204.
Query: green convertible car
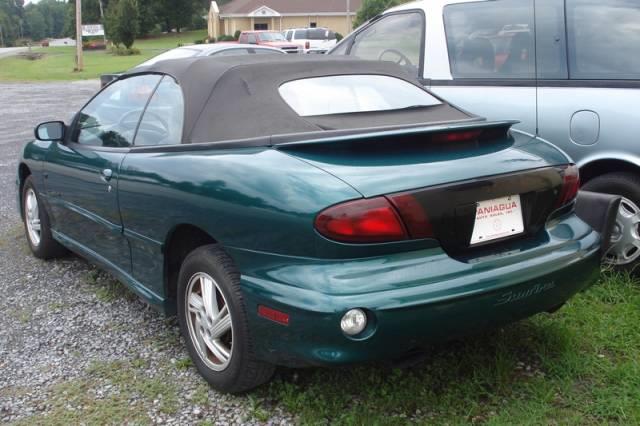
column 307, row 211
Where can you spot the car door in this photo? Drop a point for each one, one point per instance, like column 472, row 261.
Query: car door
column 81, row 174
column 590, row 109
column 491, row 49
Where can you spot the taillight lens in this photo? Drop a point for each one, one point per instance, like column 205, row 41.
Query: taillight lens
column 570, row 185
column 372, row 220
column 413, row 215
column 307, row 45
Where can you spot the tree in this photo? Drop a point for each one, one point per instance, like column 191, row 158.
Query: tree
column 127, row 22
column 371, row 8
column 36, row 27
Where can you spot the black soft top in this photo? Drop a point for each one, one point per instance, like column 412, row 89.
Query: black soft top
column 237, row 97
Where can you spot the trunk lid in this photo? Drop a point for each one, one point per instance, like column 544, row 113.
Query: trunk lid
column 436, row 176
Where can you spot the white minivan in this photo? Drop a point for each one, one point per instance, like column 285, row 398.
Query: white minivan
column 568, row 70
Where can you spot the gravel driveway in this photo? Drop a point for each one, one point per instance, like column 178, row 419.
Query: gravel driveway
column 75, row 346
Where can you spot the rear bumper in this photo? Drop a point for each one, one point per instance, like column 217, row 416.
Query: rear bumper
column 415, row 298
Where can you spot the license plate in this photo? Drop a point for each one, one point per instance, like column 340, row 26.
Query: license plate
column 497, row 218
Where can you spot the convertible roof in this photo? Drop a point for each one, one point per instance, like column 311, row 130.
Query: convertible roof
column 237, row 97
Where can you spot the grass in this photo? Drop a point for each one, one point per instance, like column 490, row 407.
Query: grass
column 58, row 62
column 578, row 366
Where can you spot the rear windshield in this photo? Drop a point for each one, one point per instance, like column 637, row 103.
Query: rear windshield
column 353, row 93
column 271, row 37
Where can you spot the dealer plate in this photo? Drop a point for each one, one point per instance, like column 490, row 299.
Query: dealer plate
column 497, row 218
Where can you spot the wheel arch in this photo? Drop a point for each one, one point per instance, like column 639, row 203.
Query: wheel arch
column 181, row 240
column 23, row 173
column 594, row 167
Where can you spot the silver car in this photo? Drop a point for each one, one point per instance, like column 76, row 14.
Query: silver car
column 568, row 70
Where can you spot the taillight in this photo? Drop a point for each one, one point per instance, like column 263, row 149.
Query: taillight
column 491, row 133
column 413, row 215
column 372, row 220
column 570, row 185
column 307, row 45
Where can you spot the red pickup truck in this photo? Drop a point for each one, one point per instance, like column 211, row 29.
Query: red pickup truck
column 269, row 38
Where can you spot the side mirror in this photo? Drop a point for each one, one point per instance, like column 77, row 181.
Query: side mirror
column 50, row 131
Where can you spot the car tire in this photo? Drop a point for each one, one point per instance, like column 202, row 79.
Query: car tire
column 624, row 253
column 219, row 343
column 36, row 224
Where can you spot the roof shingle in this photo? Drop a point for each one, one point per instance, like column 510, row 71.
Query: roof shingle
column 310, row 7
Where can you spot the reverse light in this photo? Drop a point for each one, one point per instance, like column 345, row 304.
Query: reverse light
column 372, row 220
column 570, row 185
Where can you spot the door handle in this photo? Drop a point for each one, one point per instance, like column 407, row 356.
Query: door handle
column 107, row 174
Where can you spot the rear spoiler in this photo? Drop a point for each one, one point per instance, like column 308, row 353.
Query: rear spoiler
column 374, row 135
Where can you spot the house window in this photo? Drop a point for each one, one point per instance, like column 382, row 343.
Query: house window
column 313, row 24
column 260, row 27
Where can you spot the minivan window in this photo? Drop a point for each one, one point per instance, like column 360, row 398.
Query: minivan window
column 396, row 38
column 604, row 39
column 353, row 93
column 491, row 39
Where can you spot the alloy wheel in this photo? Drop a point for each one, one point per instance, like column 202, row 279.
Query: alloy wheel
column 209, row 321
column 625, row 238
column 32, row 217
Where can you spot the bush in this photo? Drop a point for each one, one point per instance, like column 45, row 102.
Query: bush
column 339, row 36
column 198, row 41
column 123, row 51
column 226, row 37
column 236, row 35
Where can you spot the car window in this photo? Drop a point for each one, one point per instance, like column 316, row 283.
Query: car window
column 317, row 34
column 110, row 119
column 396, row 38
column 178, row 53
column 300, row 34
column 271, row 37
column 162, row 121
column 288, row 35
column 353, row 93
column 243, row 38
column 267, row 51
column 604, row 39
column 230, row 52
column 491, row 39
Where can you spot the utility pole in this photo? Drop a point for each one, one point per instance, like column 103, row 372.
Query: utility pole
column 1, row 37
column 348, row 17
column 79, row 60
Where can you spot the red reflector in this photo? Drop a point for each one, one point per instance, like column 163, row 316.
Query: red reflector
column 463, row 136
column 570, row 185
column 413, row 215
column 372, row 220
column 273, row 315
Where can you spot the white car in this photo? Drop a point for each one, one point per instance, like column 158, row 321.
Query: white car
column 312, row 40
column 214, row 49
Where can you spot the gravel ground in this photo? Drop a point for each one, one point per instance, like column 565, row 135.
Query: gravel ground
column 75, row 345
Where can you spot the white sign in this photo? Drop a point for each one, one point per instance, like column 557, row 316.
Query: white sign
column 497, row 218
column 92, row 30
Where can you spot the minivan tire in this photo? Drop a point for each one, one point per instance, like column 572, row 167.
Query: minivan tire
column 627, row 185
column 242, row 371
